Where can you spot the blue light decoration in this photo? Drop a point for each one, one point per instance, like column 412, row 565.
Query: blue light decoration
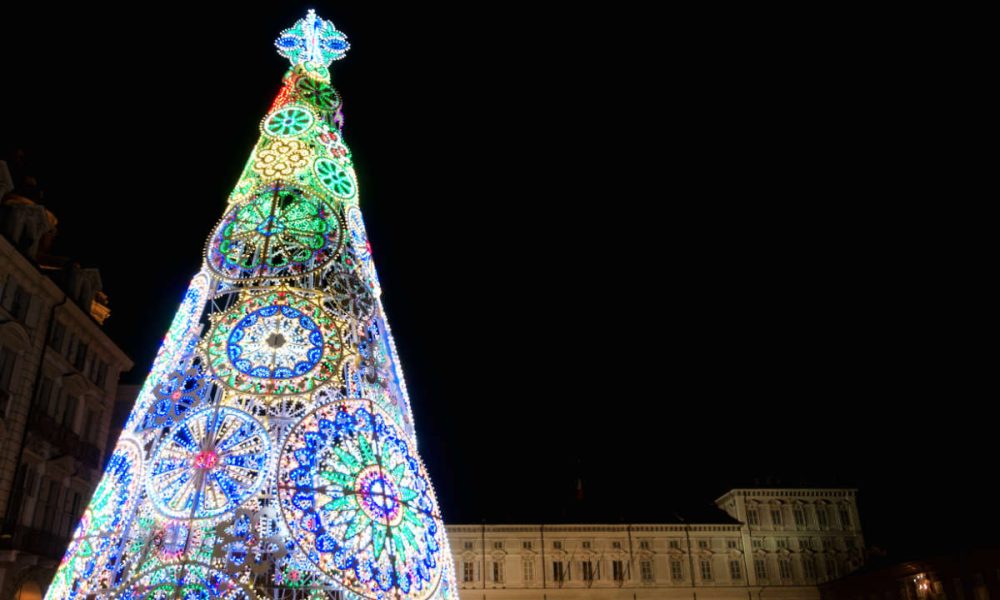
column 312, row 42
column 271, row 452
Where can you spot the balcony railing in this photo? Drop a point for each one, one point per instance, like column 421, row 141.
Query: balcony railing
column 65, row 439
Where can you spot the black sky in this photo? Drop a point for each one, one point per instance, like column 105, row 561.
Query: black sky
column 657, row 252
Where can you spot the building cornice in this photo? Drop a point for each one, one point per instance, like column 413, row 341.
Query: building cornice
column 790, row 492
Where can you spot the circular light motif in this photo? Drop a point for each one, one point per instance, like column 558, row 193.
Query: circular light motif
column 378, row 497
column 277, row 342
column 280, row 231
column 359, row 504
column 349, row 295
column 321, row 95
column 290, row 120
column 337, row 179
column 212, row 462
column 186, row 581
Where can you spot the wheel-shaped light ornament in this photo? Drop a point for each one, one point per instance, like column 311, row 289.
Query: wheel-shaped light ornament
column 320, row 94
column 209, row 464
column 336, row 178
column 290, row 120
column 358, row 502
column 281, row 231
column 276, row 343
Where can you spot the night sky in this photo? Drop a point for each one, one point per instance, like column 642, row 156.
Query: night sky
column 658, row 254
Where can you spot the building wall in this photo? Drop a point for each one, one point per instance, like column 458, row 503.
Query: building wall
column 767, row 560
column 58, row 378
column 970, row 574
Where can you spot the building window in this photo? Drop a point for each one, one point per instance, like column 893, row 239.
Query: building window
column 675, row 544
column 616, row 545
column 676, row 570
column 785, row 568
column 849, row 543
column 734, row 570
column 467, row 545
column 102, row 374
column 497, row 572
column 753, row 517
column 809, row 567
column 760, row 568
column 72, row 515
column 829, row 544
column 90, row 428
column 468, row 571
column 30, row 479
column 782, row 543
column 70, row 413
column 618, row 570
column 800, row 517
column 646, row 570
column 845, row 518
column 498, row 545
column 557, row 545
column 732, row 544
column 805, row 544
column 776, row 517
column 20, row 303
column 757, row 543
column 529, row 570
column 80, row 361
column 821, row 517
column 47, row 511
column 558, row 574
column 706, row 570
column 70, row 346
column 526, row 545
column 44, row 394
column 7, row 358
column 644, row 545
column 703, row 544
column 586, row 544
column 587, row 568
column 831, row 568
column 57, row 337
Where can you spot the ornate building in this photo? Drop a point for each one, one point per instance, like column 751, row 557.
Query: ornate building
column 768, row 543
column 58, row 379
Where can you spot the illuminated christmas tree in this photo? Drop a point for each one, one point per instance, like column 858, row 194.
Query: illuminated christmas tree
column 271, row 451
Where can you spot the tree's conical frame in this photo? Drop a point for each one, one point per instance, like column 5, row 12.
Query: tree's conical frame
column 271, row 451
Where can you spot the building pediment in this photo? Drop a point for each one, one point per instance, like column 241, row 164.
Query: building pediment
column 76, row 384
column 15, row 336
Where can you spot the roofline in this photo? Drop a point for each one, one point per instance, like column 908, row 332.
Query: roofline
column 778, row 491
column 590, row 526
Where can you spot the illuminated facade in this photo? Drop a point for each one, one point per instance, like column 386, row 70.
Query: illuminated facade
column 58, row 376
column 773, row 543
column 271, row 451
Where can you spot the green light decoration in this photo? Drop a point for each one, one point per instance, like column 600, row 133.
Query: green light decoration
column 271, row 451
column 289, row 121
column 336, row 178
